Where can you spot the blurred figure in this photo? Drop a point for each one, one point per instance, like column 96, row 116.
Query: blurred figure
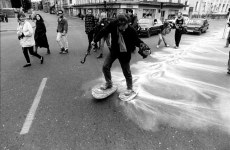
column 62, row 30
column 164, row 29
column 89, row 28
column 179, row 23
column 132, row 19
column 103, row 23
column 228, row 36
column 25, row 36
column 5, row 17
column 40, row 34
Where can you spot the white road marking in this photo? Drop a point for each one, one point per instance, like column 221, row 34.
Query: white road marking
column 221, row 51
column 33, row 108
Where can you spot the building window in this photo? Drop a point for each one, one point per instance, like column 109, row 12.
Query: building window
column 70, row 1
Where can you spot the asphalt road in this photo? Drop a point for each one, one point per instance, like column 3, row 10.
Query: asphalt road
column 183, row 101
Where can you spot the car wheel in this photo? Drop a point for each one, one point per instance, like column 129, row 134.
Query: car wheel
column 199, row 33
column 148, row 34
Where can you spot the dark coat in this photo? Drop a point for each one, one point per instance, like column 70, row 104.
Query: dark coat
column 89, row 23
column 40, row 35
column 62, row 25
column 130, row 37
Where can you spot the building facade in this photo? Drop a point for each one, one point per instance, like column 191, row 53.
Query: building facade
column 160, row 9
column 5, row 4
column 198, row 8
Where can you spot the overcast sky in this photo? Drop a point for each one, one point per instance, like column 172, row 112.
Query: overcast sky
column 35, row 0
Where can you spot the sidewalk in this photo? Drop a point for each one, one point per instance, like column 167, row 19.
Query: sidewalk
column 10, row 26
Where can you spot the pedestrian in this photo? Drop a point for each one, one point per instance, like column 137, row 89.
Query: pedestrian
column 228, row 36
column 124, row 39
column 228, row 62
column 26, row 36
column 164, row 29
column 6, row 17
column 62, row 30
column 89, row 28
column 40, row 34
column 103, row 23
column 132, row 19
column 179, row 24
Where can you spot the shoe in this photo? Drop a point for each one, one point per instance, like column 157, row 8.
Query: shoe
column 27, row 65
column 106, row 86
column 94, row 49
column 157, row 46
column 42, row 59
column 48, row 51
column 166, row 45
column 176, row 47
column 225, row 46
column 65, row 51
column 128, row 92
column 100, row 56
column 62, row 50
column 228, row 72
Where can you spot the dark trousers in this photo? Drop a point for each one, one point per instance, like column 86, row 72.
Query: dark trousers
column 31, row 51
column 90, row 39
column 125, row 69
column 229, row 61
column 178, row 34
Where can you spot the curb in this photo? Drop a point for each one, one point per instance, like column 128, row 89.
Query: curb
column 7, row 30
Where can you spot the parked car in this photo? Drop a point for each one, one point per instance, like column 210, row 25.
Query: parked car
column 148, row 27
column 197, row 26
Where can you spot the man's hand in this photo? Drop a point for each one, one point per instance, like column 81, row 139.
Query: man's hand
column 64, row 33
column 93, row 43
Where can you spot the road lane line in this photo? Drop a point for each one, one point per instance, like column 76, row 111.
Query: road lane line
column 221, row 51
column 33, row 108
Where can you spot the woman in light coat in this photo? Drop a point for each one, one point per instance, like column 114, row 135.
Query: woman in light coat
column 26, row 37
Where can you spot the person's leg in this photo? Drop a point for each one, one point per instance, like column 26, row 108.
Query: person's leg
column 36, row 49
column 106, row 70
column 228, row 63
column 102, row 42
column 66, row 42
column 90, row 39
column 125, row 66
column 58, row 39
column 31, row 50
column 163, row 39
column 48, row 50
column 159, row 41
column 227, row 40
column 108, row 41
column 25, row 52
column 177, row 38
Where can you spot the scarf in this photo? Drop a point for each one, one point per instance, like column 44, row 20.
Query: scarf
column 121, row 42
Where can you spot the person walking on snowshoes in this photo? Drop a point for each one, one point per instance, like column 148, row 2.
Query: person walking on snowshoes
column 124, row 39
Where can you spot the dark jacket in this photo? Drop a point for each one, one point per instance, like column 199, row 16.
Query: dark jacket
column 40, row 35
column 89, row 23
column 62, row 25
column 102, row 24
column 130, row 37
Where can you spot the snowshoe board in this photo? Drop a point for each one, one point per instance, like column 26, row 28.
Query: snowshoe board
column 98, row 93
column 130, row 97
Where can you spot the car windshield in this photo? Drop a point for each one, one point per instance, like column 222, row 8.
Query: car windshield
column 144, row 21
column 195, row 22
